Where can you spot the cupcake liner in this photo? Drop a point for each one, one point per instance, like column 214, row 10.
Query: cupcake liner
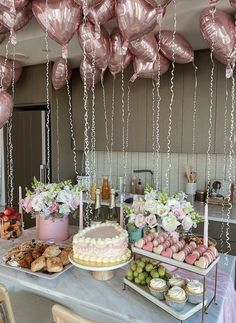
column 194, row 298
column 158, row 294
column 177, row 305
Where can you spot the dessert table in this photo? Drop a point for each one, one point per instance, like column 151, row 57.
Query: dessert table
column 107, row 302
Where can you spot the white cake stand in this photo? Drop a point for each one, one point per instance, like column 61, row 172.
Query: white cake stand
column 100, row 273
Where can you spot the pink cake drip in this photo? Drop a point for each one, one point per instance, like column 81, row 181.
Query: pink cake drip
column 102, row 232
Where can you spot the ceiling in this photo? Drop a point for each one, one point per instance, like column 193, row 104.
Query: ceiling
column 30, row 47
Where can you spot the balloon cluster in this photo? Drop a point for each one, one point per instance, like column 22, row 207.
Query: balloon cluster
column 133, row 39
column 218, row 29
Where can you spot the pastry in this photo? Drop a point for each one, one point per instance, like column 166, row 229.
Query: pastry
column 176, row 298
column 64, row 256
column 52, row 251
column 158, row 287
column 177, row 281
column 194, row 291
column 38, row 264
column 54, row 265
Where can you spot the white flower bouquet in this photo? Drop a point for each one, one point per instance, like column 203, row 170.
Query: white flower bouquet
column 158, row 209
column 53, row 200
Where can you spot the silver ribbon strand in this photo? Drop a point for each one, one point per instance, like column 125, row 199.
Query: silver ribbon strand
column 171, row 102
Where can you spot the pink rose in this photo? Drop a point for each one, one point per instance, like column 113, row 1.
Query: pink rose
column 138, row 206
column 54, row 207
column 187, row 223
column 74, row 203
column 27, row 204
column 151, row 220
column 140, row 221
column 178, row 212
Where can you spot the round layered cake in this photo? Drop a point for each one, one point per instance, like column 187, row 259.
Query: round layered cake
column 101, row 245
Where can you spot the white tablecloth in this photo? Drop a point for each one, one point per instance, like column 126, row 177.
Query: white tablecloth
column 107, row 302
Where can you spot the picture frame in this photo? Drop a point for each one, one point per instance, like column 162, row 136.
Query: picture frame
column 220, row 192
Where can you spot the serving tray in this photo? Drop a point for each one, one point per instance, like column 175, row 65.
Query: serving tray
column 44, row 275
column 176, row 263
column 188, row 310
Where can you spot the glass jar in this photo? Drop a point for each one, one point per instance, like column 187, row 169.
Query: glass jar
column 105, row 188
column 10, row 224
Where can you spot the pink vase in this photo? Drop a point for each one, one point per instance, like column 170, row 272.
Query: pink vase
column 52, row 229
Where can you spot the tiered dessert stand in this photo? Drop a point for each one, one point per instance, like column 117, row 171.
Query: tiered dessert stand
column 189, row 309
column 100, row 273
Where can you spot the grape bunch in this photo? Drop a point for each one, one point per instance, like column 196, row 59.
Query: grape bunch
column 142, row 270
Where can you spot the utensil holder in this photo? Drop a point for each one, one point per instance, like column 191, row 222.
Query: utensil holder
column 190, row 188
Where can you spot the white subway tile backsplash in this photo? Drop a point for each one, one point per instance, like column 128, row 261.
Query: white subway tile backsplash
column 137, row 160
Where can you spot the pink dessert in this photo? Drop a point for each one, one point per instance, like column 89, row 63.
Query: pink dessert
column 104, row 243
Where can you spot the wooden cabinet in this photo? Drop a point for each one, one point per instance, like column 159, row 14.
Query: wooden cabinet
column 203, row 62
column 223, row 85
column 141, row 117
column 165, row 93
column 31, row 88
column 137, row 121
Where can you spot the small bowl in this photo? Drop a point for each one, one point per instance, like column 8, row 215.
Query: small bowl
column 158, row 294
column 176, row 305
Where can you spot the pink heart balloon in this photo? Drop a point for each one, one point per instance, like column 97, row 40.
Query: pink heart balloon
column 222, row 32
column 233, row 3
column 118, row 59
column 63, row 16
column 17, row 21
column 145, row 48
column 90, row 3
column 6, row 72
column 86, row 70
column 135, row 18
column 183, row 52
column 6, row 107
column 159, row 3
column 19, row 4
column 149, row 69
column 92, row 44
column 102, row 13
column 59, row 73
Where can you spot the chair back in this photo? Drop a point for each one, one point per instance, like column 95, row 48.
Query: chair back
column 6, row 312
column 62, row 314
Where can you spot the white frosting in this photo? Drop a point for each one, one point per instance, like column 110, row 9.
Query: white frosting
column 195, row 287
column 157, row 283
column 176, row 293
column 100, row 243
column 176, row 281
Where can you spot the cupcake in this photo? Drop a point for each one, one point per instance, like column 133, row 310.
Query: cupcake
column 194, row 291
column 177, row 281
column 158, row 287
column 176, row 298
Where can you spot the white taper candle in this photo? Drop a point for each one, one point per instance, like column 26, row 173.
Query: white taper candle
column 81, row 216
column 205, row 237
column 121, row 211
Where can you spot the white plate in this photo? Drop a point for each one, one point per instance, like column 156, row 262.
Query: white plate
column 98, row 268
column 38, row 274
